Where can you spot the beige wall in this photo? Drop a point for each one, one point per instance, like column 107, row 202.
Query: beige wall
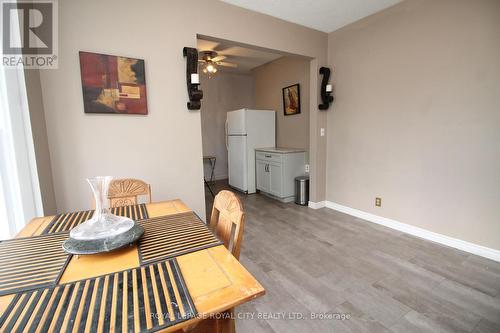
column 165, row 147
column 270, row 79
column 222, row 93
column 41, row 145
column 416, row 117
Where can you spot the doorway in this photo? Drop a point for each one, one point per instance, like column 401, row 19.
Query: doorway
column 247, row 77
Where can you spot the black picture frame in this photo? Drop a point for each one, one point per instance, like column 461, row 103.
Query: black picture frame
column 290, row 92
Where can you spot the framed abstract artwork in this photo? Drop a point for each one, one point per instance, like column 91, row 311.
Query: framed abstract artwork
column 291, row 100
column 113, row 84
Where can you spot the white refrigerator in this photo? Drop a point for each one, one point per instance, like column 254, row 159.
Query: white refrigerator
column 246, row 130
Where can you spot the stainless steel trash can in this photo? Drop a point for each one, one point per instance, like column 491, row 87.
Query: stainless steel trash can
column 302, row 190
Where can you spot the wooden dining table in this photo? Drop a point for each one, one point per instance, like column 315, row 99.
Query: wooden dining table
column 215, row 280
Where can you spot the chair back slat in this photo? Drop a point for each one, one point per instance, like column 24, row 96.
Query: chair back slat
column 124, row 192
column 228, row 220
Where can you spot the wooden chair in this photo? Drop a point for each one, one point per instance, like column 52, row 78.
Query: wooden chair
column 227, row 221
column 124, row 192
column 228, row 214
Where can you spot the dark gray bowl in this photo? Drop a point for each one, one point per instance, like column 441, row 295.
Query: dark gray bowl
column 79, row 246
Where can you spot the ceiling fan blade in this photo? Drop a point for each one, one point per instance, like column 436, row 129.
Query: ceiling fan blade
column 219, row 58
column 227, row 64
column 203, row 44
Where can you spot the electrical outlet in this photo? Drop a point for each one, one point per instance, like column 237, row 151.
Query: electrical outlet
column 322, row 131
column 307, row 167
column 378, row 202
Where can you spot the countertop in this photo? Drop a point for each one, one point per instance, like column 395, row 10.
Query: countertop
column 281, row 150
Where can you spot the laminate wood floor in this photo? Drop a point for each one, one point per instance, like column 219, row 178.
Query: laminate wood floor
column 322, row 261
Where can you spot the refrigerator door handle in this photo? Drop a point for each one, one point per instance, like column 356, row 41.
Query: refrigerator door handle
column 225, row 134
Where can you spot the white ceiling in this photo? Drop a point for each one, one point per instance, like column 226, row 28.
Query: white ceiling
column 323, row 15
column 245, row 58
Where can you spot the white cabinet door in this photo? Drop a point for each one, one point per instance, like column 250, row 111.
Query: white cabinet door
column 276, row 181
column 262, row 176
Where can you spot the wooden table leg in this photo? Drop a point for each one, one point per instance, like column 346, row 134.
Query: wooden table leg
column 227, row 323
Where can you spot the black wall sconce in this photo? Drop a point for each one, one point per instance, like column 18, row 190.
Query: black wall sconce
column 192, row 78
column 326, row 89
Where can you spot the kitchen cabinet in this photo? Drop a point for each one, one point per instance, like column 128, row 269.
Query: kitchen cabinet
column 263, row 178
column 276, row 169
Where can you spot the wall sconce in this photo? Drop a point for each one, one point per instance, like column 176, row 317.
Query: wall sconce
column 326, row 89
column 192, row 78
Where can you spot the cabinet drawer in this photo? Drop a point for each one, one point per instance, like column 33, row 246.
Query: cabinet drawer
column 268, row 157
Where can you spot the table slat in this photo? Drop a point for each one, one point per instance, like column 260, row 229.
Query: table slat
column 32, row 262
column 174, row 235
column 150, row 297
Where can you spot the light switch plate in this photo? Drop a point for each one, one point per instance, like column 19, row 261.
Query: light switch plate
column 307, row 167
column 322, row 131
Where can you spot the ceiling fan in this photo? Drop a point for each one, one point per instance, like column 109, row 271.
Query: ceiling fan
column 210, row 60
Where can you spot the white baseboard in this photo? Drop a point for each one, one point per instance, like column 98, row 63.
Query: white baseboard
column 317, row 205
column 412, row 230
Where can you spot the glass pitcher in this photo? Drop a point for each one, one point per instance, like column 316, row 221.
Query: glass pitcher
column 103, row 224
